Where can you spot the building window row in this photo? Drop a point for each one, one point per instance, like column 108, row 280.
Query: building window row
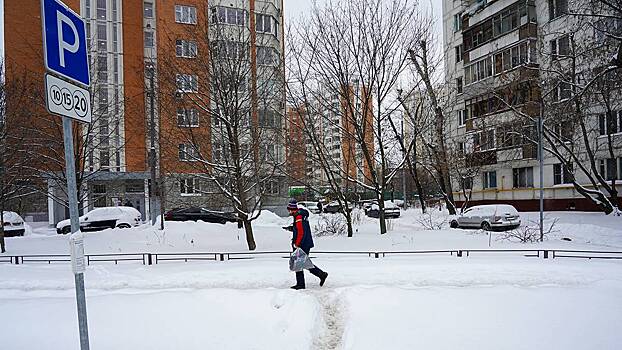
column 266, row 24
column 504, row 60
column 505, row 21
column 228, row 15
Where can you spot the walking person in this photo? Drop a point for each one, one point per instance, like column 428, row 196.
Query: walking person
column 301, row 238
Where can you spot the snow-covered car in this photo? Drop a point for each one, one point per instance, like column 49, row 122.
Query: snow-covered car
column 102, row 218
column 13, row 224
column 488, row 217
column 391, row 210
column 310, row 206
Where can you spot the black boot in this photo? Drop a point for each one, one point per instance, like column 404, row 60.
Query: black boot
column 319, row 274
column 300, row 280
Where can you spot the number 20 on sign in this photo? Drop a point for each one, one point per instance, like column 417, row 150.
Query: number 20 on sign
column 67, row 99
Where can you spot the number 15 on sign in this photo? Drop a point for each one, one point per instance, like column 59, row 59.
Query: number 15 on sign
column 67, row 99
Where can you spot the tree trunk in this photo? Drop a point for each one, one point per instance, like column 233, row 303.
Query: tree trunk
column 250, row 240
column 348, row 216
column 381, row 218
column 2, row 246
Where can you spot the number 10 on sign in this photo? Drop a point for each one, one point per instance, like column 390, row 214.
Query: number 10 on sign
column 67, row 99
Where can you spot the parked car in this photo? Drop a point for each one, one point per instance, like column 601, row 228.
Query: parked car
column 13, row 224
column 310, row 206
column 197, row 213
column 488, row 217
column 391, row 210
column 102, row 218
column 333, row 207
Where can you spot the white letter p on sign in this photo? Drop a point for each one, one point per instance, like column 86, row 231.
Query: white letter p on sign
column 62, row 44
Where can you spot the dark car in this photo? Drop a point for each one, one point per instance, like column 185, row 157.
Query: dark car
column 196, row 214
column 334, row 207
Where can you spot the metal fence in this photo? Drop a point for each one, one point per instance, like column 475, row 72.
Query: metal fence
column 160, row 258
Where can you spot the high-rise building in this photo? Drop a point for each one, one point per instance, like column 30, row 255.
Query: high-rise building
column 498, row 54
column 128, row 41
column 333, row 116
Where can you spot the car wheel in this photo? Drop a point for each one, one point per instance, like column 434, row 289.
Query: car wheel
column 65, row 230
column 486, row 226
column 123, row 226
column 222, row 221
column 454, row 224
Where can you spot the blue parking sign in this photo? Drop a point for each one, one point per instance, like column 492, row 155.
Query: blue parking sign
column 64, row 41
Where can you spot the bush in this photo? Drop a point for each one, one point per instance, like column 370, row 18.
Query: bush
column 529, row 233
column 433, row 220
column 331, row 225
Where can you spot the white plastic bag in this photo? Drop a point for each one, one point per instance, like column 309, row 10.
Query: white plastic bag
column 299, row 260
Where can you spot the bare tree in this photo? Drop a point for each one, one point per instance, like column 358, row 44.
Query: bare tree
column 357, row 55
column 238, row 154
column 18, row 105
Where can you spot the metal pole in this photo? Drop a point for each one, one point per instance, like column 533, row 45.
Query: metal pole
column 152, row 152
column 541, row 163
column 403, row 167
column 76, row 240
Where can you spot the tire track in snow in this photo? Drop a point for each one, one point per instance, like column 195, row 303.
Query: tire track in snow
column 329, row 334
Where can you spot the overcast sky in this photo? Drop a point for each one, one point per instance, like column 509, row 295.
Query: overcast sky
column 294, row 8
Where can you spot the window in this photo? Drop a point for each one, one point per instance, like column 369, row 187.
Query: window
column 185, row 14
column 484, row 140
column 466, row 183
column 228, row 15
column 557, row 8
column 229, row 50
column 490, row 179
column 608, row 123
column 459, row 85
column 148, row 39
column 560, row 47
column 102, row 44
column 265, row 24
column 563, row 91
column 458, row 51
column 478, row 71
column 458, row 22
column 522, row 177
column 266, row 55
column 186, row 48
column 463, row 115
column 104, row 158
column 612, row 169
column 270, row 187
column 101, row 9
column 148, row 9
column 187, row 117
column 562, row 174
column 188, row 152
column 269, row 119
column 187, row 83
column 189, row 187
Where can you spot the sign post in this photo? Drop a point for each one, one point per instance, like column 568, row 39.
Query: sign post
column 67, row 95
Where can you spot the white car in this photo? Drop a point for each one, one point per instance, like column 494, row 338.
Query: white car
column 13, row 224
column 488, row 217
column 102, row 218
column 310, row 206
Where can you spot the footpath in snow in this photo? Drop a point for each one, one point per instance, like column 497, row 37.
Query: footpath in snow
column 395, row 302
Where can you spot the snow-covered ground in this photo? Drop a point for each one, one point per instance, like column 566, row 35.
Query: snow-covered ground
column 395, row 302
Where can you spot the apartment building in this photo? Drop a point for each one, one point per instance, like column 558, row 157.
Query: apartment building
column 501, row 62
column 129, row 41
column 334, row 116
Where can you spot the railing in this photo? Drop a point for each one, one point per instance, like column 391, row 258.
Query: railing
column 159, row 258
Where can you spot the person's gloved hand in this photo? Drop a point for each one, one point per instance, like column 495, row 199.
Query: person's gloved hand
column 289, row 228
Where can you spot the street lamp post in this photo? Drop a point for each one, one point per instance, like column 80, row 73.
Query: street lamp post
column 152, row 151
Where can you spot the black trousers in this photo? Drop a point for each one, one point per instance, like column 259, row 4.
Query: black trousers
column 300, row 275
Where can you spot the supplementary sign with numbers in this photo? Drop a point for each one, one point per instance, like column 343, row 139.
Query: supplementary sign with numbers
column 67, row 99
